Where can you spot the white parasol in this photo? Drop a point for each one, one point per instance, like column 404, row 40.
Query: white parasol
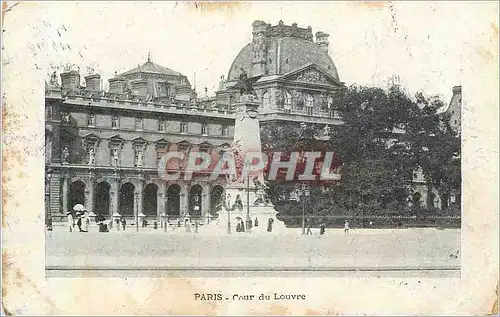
column 92, row 214
column 79, row 207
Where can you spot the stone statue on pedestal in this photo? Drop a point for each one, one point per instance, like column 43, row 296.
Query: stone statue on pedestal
column 245, row 84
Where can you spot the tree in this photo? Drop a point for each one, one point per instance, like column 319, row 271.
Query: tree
column 386, row 135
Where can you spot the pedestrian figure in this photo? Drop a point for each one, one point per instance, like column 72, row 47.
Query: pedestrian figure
column 242, row 225
column 85, row 221
column 187, row 223
column 118, row 222
column 238, row 226
column 309, row 232
column 124, row 223
column 79, row 223
column 346, row 227
column 270, row 225
column 256, row 222
column 322, row 229
column 71, row 222
column 249, row 223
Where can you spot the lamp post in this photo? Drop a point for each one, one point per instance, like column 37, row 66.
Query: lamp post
column 228, row 213
column 48, row 213
column 304, row 194
column 136, row 211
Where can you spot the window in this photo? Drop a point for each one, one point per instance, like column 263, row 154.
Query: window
column 309, row 100
column 161, row 125
column 139, row 123
column 91, row 120
column 183, row 127
column 114, row 122
column 224, row 130
column 205, row 148
column 266, row 100
column 183, row 146
column 288, row 100
column 309, row 111
column 138, row 156
column 204, row 129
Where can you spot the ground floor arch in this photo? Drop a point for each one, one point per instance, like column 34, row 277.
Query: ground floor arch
column 76, row 194
column 126, row 199
column 173, row 207
column 195, row 201
column 150, row 200
column 216, row 200
column 102, row 199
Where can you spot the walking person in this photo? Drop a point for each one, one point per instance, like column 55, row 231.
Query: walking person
column 346, row 227
column 86, row 221
column 71, row 221
column 79, row 222
column 124, row 223
column 322, row 229
column 309, row 223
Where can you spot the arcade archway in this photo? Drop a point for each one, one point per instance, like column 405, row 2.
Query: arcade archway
column 76, row 194
column 126, row 202
column 150, row 201
column 216, row 200
column 195, row 204
column 173, row 201
column 101, row 202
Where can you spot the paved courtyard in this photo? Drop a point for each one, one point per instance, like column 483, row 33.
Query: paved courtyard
column 150, row 250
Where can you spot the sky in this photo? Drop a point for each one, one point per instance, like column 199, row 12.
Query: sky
column 426, row 44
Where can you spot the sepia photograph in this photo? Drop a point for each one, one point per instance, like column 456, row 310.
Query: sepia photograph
column 357, row 177
column 246, row 140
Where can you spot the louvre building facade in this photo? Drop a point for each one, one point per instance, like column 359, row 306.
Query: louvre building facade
column 103, row 147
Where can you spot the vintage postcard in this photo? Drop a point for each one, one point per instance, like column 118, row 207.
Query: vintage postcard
column 250, row 158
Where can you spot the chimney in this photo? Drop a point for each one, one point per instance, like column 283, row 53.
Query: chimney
column 70, row 80
column 259, row 48
column 117, row 85
column 457, row 90
column 322, row 40
column 93, row 82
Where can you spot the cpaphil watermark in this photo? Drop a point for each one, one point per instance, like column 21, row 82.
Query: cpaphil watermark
column 286, row 166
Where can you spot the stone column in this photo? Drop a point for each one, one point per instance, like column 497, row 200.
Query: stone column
column 89, row 196
column 206, row 203
column 159, row 205
column 140, row 190
column 65, row 195
column 113, row 200
column 184, row 202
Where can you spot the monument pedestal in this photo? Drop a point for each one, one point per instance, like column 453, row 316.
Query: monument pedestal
column 243, row 198
column 256, row 209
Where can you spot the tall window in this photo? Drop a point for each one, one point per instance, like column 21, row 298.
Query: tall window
column 161, row 125
column 309, row 100
column 266, row 100
column 205, row 148
column 183, row 127
column 309, row 104
column 139, row 123
column 204, row 129
column 91, row 120
column 114, row 122
column 288, row 102
column 224, row 130
column 138, row 156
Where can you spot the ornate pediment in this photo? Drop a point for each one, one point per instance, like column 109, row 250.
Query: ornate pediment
column 311, row 74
